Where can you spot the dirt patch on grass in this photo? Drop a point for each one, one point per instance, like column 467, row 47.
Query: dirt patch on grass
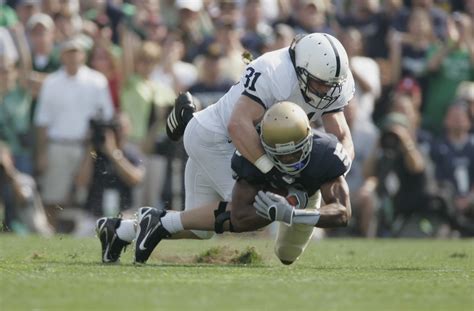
column 226, row 255
column 220, row 255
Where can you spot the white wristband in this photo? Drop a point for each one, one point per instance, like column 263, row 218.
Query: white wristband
column 264, row 164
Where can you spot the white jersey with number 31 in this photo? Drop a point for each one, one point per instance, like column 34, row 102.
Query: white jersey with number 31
column 269, row 79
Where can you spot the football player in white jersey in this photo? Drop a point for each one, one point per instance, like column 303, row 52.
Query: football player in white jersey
column 312, row 72
column 315, row 160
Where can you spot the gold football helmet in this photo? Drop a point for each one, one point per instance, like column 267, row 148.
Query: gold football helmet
column 287, row 137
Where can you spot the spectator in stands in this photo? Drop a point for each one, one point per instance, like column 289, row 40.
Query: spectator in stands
column 282, row 37
column 7, row 45
column 465, row 92
column 103, row 59
column 211, row 85
column 366, row 74
column 371, row 21
column 438, row 17
column 71, row 26
column 111, row 168
column 230, row 10
column 40, row 31
column 256, row 29
column 25, row 9
column 449, row 64
column 146, row 103
column 8, row 17
column 141, row 98
column 69, row 98
column 228, row 37
column 309, row 16
column 403, row 172
column 24, row 212
column 15, row 110
column 172, row 71
column 409, row 87
column 453, row 156
column 409, row 51
column 189, row 23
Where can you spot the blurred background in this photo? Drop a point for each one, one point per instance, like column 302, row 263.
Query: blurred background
column 86, row 85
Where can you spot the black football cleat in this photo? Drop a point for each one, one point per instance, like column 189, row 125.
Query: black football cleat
column 112, row 245
column 150, row 232
column 179, row 117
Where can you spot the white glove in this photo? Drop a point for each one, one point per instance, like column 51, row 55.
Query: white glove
column 273, row 207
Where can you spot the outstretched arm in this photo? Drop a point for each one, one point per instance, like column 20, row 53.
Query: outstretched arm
column 337, row 209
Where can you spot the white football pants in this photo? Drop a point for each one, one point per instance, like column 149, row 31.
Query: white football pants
column 291, row 241
column 208, row 174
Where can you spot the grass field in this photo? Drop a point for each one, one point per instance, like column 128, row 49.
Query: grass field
column 64, row 273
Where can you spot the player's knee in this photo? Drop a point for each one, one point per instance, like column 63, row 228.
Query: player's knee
column 203, row 235
column 222, row 218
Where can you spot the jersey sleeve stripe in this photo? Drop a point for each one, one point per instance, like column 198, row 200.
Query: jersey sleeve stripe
column 255, row 98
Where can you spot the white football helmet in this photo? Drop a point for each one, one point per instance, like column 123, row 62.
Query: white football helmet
column 287, row 137
column 322, row 58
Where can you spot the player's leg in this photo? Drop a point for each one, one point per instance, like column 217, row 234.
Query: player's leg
column 292, row 240
column 208, row 179
column 114, row 235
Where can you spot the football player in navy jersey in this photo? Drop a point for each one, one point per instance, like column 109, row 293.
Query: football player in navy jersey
column 313, row 72
column 314, row 164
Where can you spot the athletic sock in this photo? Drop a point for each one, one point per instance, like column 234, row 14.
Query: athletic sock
column 172, row 222
column 126, row 230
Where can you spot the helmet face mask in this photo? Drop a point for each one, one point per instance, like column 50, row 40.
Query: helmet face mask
column 281, row 153
column 286, row 137
column 321, row 63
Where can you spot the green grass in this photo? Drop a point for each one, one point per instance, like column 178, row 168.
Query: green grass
column 64, row 273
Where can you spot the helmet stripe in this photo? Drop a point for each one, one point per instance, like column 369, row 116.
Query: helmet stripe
column 338, row 62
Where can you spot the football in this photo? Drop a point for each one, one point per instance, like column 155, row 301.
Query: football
column 284, row 192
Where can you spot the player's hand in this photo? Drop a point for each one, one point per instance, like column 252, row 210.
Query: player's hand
column 297, row 197
column 273, row 207
column 277, row 179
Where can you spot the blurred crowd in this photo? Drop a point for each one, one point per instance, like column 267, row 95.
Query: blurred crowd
column 86, row 85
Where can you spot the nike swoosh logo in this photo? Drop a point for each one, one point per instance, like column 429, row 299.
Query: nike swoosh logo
column 142, row 244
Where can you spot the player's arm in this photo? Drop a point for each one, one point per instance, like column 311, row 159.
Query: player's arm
column 243, row 216
column 337, row 209
column 247, row 113
column 335, row 123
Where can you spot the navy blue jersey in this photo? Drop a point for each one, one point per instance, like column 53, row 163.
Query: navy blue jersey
column 327, row 162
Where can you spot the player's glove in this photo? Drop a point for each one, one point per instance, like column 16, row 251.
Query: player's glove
column 277, row 179
column 273, row 207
